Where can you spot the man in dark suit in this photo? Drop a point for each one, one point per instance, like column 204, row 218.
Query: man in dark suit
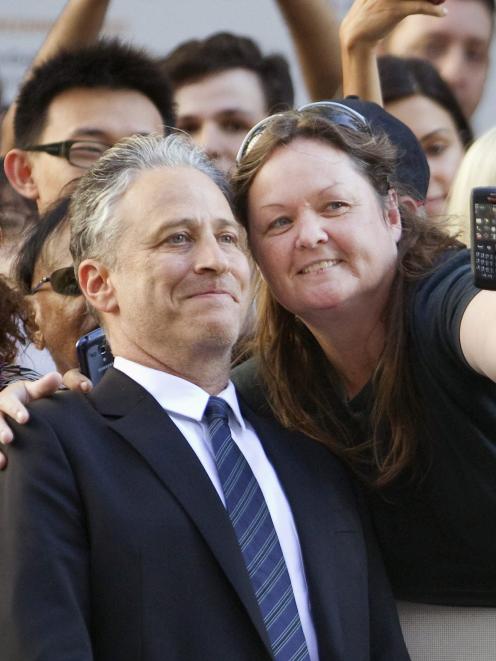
column 158, row 518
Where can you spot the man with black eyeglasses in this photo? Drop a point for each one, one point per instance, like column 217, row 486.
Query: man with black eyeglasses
column 74, row 107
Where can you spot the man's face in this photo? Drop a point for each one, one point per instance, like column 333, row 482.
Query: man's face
column 100, row 115
column 181, row 281
column 60, row 319
column 457, row 45
column 218, row 111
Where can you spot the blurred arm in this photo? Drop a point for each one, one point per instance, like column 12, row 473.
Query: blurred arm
column 313, row 26
column 78, row 25
column 366, row 23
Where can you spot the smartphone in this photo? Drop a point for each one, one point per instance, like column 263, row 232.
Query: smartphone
column 94, row 355
column 483, row 227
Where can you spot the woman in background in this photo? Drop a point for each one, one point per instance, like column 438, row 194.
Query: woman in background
column 15, row 330
column 478, row 168
column 410, row 89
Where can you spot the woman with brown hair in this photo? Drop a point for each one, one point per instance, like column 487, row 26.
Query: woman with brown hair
column 15, row 330
column 373, row 340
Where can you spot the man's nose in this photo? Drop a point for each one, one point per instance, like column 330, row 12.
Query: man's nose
column 210, row 256
column 453, row 68
column 209, row 138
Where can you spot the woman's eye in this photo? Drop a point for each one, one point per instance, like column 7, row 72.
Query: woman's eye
column 435, row 149
column 335, row 205
column 279, row 223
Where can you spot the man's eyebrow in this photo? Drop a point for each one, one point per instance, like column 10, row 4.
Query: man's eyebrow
column 188, row 222
column 90, row 132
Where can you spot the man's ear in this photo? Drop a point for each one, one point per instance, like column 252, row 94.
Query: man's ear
column 18, row 170
column 96, row 285
column 36, row 334
column 393, row 215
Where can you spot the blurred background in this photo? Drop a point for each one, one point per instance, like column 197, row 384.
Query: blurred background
column 160, row 25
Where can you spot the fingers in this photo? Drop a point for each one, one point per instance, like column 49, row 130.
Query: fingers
column 74, row 380
column 14, row 398
column 429, row 7
column 12, row 401
column 3, row 460
column 43, row 387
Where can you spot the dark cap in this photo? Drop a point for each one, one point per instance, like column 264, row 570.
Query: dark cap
column 412, row 170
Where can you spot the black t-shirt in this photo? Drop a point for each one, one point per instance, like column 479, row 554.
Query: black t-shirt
column 438, row 534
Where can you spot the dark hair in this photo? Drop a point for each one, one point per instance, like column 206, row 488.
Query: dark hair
column 50, row 221
column 108, row 63
column 13, row 309
column 197, row 58
column 402, row 77
column 305, row 396
column 17, row 212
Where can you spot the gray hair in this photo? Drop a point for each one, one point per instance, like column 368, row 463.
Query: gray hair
column 95, row 224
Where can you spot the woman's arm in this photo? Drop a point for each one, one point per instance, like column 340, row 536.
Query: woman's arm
column 478, row 334
column 78, row 25
column 363, row 27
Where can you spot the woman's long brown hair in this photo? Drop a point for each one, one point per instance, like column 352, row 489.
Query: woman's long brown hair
column 304, row 388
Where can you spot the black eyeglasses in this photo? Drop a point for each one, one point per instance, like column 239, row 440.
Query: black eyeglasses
column 80, row 153
column 335, row 112
column 63, row 281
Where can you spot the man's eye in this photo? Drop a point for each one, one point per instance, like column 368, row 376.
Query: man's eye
column 432, row 50
column 228, row 238
column 475, row 55
column 178, row 238
column 188, row 126
column 235, row 126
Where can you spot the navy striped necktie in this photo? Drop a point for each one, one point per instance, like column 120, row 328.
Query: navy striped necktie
column 257, row 539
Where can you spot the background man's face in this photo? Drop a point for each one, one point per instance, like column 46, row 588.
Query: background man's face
column 458, row 46
column 218, row 111
column 98, row 114
column 182, row 277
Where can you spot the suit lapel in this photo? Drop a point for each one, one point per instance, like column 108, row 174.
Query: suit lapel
column 136, row 416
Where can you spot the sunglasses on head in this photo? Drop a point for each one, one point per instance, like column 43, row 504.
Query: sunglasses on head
column 335, row 112
column 63, row 281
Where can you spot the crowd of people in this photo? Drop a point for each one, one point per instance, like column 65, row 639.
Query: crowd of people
column 289, row 504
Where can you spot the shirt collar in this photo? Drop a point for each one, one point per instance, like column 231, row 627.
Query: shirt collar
column 177, row 395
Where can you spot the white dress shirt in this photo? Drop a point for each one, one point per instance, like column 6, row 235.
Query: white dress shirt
column 185, row 403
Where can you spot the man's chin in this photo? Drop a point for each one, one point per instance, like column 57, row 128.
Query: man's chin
column 215, row 334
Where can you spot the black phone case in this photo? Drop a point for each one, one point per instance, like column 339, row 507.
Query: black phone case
column 483, row 230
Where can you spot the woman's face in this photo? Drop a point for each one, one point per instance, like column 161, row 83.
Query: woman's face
column 322, row 238
column 436, row 131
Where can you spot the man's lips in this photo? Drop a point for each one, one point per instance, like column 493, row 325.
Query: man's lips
column 213, row 292
column 319, row 266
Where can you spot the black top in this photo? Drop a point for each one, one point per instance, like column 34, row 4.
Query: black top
column 438, row 534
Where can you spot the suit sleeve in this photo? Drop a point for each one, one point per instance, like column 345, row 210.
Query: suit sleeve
column 44, row 583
